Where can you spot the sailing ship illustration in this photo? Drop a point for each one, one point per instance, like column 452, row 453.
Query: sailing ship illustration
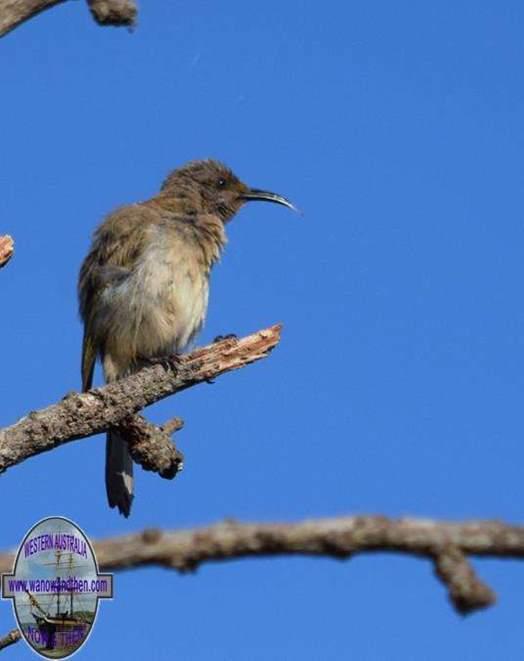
column 60, row 626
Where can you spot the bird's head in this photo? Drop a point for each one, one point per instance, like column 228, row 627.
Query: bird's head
column 213, row 188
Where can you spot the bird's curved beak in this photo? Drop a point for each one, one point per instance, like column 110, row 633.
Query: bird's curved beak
column 267, row 196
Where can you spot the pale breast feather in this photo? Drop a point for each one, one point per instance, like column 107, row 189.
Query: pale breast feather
column 173, row 292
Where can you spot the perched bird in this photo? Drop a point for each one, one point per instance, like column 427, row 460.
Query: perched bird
column 143, row 287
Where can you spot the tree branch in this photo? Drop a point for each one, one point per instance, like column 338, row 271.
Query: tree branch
column 80, row 415
column 151, row 446
column 113, row 12
column 7, row 248
column 12, row 637
column 445, row 544
column 466, row 591
column 105, row 12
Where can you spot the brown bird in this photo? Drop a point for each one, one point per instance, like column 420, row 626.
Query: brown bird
column 143, row 287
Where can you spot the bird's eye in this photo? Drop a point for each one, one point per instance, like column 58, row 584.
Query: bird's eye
column 221, row 183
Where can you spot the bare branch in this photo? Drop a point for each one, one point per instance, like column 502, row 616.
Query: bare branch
column 113, row 12
column 12, row 637
column 7, row 247
column 444, row 543
column 151, row 446
column 105, row 12
column 14, row 12
column 80, row 415
column 466, row 591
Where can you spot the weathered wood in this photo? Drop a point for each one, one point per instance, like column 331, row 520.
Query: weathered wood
column 83, row 414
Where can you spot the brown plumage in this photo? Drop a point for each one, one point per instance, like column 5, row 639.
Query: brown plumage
column 143, row 287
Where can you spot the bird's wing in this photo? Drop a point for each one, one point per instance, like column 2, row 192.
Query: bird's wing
column 89, row 352
column 118, row 244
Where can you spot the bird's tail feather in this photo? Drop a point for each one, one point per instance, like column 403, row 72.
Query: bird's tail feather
column 119, row 473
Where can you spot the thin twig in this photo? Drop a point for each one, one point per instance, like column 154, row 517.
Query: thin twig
column 113, row 12
column 105, row 12
column 12, row 637
column 466, row 591
column 151, row 446
column 7, row 247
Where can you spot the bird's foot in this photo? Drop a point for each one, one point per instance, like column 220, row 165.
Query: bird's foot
column 231, row 336
column 170, row 362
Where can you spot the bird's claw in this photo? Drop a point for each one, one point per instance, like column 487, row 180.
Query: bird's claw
column 170, row 362
column 230, row 336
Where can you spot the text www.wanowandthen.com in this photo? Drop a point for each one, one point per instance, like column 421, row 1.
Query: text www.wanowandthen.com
column 56, row 585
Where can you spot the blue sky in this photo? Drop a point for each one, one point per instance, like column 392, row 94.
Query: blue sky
column 398, row 385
